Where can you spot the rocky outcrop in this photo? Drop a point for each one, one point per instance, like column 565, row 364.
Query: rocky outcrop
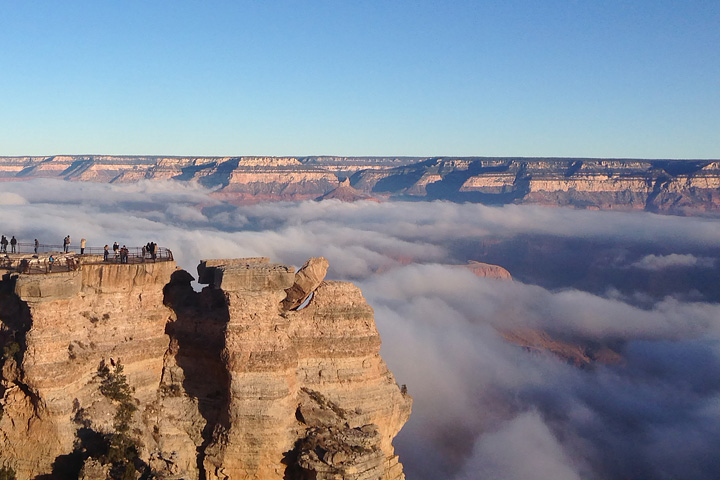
column 675, row 186
column 346, row 193
column 56, row 330
column 307, row 279
column 488, row 270
column 577, row 352
column 116, row 361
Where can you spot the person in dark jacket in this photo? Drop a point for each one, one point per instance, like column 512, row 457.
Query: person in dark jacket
column 13, row 244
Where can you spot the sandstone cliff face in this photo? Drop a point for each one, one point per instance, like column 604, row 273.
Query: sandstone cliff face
column 228, row 383
column 60, row 326
column 345, row 193
column 675, row 186
column 488, row 270
column 654, row 185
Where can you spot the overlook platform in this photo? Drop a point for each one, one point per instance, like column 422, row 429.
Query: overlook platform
column 28, row 262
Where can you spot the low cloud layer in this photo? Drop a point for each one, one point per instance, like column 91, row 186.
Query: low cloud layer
column 506, row 412
column 661, row 262
column 483, row 408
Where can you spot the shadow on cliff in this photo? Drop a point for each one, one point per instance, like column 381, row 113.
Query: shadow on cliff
column 15, row 317
column 197, row 338
column 16, row 321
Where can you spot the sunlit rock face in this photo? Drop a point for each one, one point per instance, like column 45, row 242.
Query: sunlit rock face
column 231, row 382
column 60, row 327
column 675, row 186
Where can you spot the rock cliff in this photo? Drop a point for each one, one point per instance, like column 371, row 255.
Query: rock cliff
column 675, row 186
column 113, row 368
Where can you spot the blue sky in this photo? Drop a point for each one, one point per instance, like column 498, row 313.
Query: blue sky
column 519, row 78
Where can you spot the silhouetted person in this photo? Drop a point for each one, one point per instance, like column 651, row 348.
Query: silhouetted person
column 13, row 244
column 106, row 252
column 24, row 266
column 3, row 244
column 116, row 247
column 37, row 244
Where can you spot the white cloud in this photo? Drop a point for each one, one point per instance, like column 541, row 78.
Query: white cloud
column 661, row 262
column 9, row 198
column 475, row 394
column 523, row 448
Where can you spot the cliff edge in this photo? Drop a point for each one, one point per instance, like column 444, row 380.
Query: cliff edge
column 124, row 371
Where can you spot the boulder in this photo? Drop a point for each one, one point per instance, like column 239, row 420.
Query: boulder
column 307, row 279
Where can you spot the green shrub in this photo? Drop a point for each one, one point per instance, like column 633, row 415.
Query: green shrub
column 7, row 473
column 10, row 350
column 114, row 386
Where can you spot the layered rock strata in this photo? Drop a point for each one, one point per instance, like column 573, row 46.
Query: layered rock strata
column 676, row 186
column 228, row 383
column 56, row 329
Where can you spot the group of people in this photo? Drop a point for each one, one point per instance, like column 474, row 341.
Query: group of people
column 123, row 253
column 120, row 254
column 4, row 244
column 150, row 248
column 66, row 245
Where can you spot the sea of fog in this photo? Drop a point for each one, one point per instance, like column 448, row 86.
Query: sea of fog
column 484, row 408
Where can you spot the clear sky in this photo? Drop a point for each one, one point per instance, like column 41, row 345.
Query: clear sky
column 598, row 78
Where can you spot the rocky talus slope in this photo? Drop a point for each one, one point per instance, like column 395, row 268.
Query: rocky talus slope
column 674, row 186
column 116, row 370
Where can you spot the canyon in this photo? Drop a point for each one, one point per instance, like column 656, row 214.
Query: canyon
column 266, row 373
column 684, row 187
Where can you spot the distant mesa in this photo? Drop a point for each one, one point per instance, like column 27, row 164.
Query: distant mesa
column 684, row 187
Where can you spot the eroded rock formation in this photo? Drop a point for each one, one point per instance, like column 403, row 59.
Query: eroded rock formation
column 226, row 383
column 488, row 270
column 676, row 186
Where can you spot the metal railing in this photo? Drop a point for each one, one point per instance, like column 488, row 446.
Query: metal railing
column 27, row 260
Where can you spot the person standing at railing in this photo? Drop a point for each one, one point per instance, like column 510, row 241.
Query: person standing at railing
column 13, row 244
column 106, row 252
column 37, row 244
column 116, row 247
column 82, row 246
column 3, row 244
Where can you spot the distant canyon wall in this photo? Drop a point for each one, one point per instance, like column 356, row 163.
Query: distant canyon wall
column 672, row 186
